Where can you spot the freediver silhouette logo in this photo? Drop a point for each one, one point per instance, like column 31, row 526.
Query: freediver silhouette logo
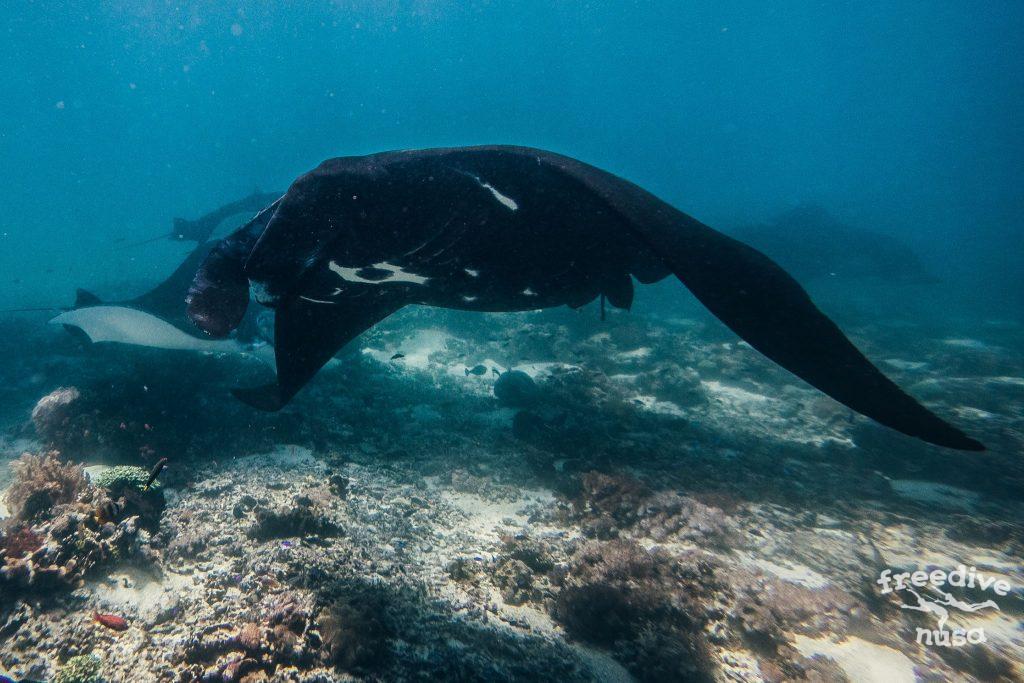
column 939, row 601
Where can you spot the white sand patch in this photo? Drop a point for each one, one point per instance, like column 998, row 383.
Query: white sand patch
column 860, row 660
column 966, row 343
column 284, row 456
column 793, row 573
column 901, row 548
column 901, row 364
column 653, row 405
column 541, row 369
column 633, row 355
column 417, row 349
column 1000, row 629
column 738, row 665
column 969, row 413
column 129, row 588
column 538, row 371
column 486, row 518
column 932, row 493
column 734, row 397
column 600, row 338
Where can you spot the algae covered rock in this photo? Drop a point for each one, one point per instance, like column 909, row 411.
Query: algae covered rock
column 128, row 484
column 80, row 669
column 125, row 477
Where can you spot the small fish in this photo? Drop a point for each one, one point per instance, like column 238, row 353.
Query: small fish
column 111, row 621
column 157, row 469
column 397, row 356
column 477, row 370
column 109, row 510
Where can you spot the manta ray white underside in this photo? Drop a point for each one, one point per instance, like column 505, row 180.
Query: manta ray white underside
column 124, row 325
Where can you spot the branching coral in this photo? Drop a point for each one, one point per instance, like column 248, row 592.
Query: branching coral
column 42, row 481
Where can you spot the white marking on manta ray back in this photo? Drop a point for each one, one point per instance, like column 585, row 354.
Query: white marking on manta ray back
column 504, row 200
column 396, row 274
column 130, row 326
column 529, row 292
column 472, row 273
column 316, row 301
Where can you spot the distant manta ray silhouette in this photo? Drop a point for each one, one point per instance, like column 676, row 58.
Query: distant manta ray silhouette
column 155, row 319
column 200, row 229
column 500, row 228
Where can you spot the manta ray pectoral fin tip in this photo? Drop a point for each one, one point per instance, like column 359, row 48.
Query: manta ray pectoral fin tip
column 966, row 443
column 266, row 398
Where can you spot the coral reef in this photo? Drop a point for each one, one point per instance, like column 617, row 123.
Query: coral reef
column 670, row 507
column 42, row 482
column 124, row 477
column 126, row 484
column 645, row 606
column 607, row 504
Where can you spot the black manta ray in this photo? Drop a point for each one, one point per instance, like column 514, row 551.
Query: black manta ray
column 501, row 228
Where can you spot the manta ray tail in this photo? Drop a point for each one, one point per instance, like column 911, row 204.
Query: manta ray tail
column 766, row 307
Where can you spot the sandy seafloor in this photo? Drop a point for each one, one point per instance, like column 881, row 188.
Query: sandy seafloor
column 673, row 508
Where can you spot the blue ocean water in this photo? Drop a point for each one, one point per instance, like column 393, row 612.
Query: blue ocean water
column 898, row 117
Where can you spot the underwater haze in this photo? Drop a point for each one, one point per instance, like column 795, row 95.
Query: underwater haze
column 623, row 489
column 899, row 117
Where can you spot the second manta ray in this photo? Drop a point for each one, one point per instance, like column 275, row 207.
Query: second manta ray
column 499, row 228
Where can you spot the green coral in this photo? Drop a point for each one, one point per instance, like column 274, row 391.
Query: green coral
column 80, row 669
column 122, row 477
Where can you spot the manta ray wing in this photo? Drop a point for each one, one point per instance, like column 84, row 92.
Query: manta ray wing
column 306, row 335
column 765, row 306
